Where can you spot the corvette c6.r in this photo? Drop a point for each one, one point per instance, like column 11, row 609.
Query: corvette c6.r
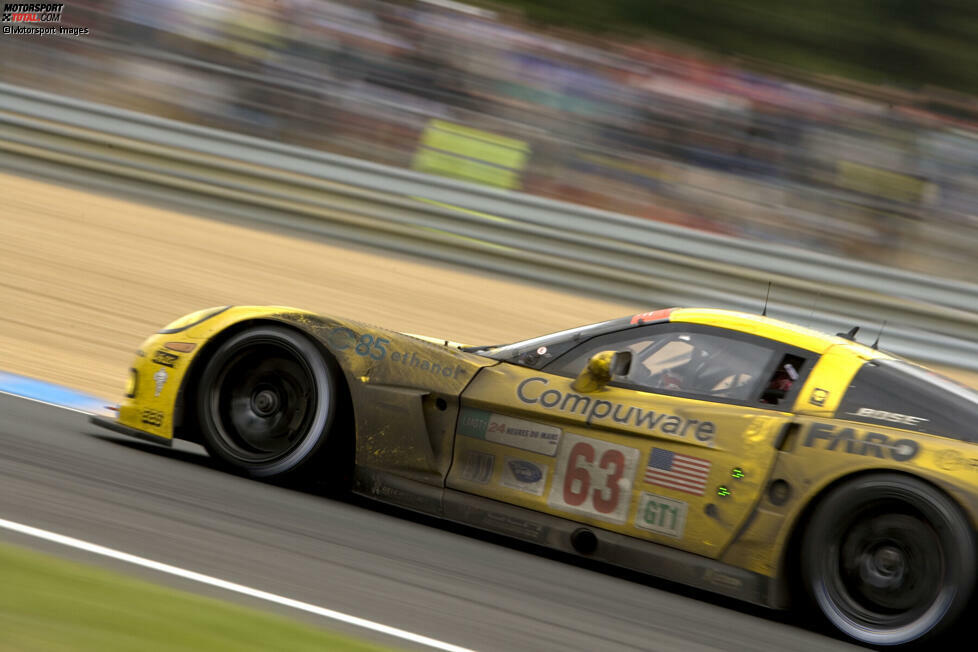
column 727, row 451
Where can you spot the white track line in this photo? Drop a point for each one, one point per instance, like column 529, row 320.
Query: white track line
column 43, row 402
column 229, row 586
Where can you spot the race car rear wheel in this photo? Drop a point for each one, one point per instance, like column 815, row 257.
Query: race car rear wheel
column 888, row 559
column 266, row 401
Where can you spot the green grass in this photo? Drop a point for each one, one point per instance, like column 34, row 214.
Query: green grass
column 49, row 604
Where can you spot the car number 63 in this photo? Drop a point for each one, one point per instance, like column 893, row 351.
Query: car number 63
column 593, row 478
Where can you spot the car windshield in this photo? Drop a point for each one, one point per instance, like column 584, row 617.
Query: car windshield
column 538, row 351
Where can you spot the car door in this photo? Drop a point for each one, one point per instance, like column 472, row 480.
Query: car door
column 677, row 452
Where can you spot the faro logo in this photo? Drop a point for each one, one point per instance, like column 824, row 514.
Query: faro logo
column 859, row 442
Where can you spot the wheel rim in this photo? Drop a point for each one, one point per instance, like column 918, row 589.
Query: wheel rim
column 886, row 573
column 263, row 402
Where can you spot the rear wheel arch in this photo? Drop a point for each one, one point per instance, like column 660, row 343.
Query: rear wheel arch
column 792, row 562
column 791, row 557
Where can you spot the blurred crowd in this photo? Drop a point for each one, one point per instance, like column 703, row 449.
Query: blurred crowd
column 638, row 127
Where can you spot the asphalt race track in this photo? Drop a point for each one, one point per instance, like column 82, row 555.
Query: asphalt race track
column 61, row 474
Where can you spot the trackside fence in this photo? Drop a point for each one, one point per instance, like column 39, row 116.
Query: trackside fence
column 609, row 254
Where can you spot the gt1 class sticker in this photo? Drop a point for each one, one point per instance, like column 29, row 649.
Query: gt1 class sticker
column 510, row 431
column 594, row 478
column 661, row 515
column 366, row 345
column 858, row 442
column 534, row 391
column 477, row 467
column 524, row 476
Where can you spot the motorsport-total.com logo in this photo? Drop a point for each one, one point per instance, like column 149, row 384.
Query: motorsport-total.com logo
column 20, row 18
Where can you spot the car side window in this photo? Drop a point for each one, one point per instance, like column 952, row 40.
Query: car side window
column 685, row 362
column 785, row 380
column 701, row 364
column 902, row 395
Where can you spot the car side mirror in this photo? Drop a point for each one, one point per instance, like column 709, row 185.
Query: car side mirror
column 601, row 368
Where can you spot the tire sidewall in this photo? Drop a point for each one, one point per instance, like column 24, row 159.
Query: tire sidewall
column 945, row 517
column 324, row 391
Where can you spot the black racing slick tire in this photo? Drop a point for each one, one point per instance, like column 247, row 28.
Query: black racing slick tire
column 266, row 401
column 888, row 559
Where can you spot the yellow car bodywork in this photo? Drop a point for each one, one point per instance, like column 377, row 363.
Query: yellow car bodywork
column 434, row 421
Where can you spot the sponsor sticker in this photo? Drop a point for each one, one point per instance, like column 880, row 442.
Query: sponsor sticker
column 159, row 378
column 818, row 397
column 536, row 391
column 509, row 431
column 519, row 527
column 593, row 478
column 477, row 467
column 652, row 316
column 661, row 515
column 165, row 358
column 883, row 415
column 523, row 475
column 380, row 349
column 860, row 442
column 952, row 460
column 152, row 418
column 676, row 471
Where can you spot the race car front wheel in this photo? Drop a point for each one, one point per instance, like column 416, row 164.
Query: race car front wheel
column 266, row 401
column 888, row 559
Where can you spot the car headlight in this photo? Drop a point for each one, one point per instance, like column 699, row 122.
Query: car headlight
column 132, row 384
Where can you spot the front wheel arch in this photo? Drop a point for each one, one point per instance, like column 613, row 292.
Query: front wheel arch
column 340, row 446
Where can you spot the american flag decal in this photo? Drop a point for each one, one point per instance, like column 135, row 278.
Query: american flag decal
column 675, row 471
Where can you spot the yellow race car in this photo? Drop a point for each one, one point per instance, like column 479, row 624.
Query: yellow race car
column 723, row 450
